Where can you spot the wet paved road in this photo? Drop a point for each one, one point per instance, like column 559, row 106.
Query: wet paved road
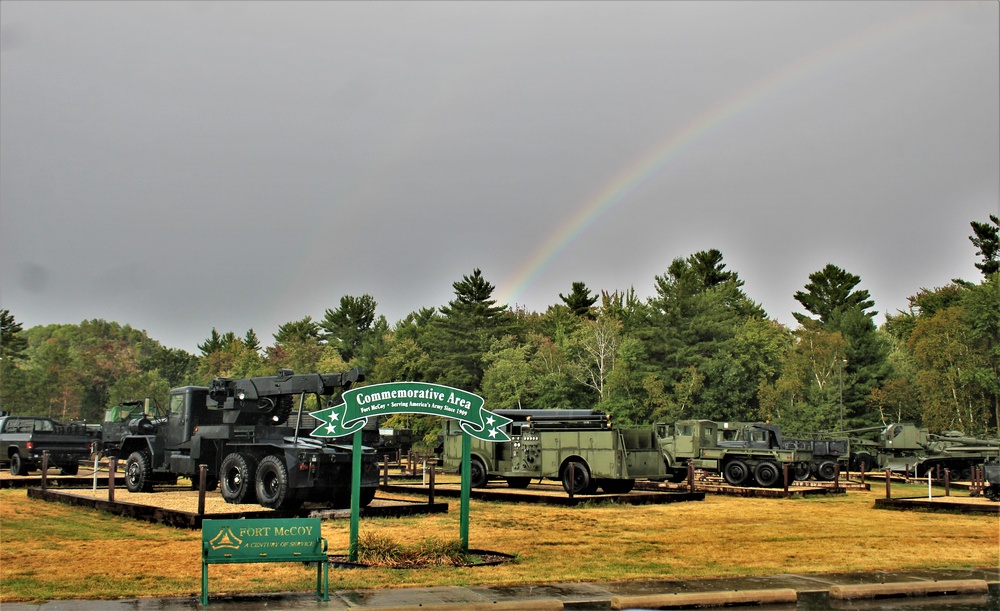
column 811, row 590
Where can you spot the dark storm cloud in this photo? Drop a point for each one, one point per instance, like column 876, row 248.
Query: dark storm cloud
column 181, row 166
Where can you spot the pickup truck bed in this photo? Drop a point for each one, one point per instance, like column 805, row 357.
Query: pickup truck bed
column 23, row 440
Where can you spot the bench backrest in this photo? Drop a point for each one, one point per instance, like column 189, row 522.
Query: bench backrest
column 262, row 540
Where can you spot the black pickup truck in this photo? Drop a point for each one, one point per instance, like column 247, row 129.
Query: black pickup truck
column 23, row 439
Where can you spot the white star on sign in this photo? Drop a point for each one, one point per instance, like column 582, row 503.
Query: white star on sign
column 331, row 428
column 490, row 420
column 493, row 433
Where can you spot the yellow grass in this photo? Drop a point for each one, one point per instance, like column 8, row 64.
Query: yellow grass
column 53, row 551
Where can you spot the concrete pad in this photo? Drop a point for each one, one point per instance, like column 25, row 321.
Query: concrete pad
column 706, row 599
column 917, row 588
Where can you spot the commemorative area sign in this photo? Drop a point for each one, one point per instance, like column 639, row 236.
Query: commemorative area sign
column 366, row 402
column 376, row 400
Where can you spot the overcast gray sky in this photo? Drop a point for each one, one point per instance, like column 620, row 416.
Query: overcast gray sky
column 180, row 166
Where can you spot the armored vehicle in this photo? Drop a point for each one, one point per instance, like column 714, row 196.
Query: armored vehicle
column 754, row 457
column 899, row 446
column 581, row 448
column 244, row 431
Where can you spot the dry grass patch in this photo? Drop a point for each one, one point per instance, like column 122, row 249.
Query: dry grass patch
column 52, row 551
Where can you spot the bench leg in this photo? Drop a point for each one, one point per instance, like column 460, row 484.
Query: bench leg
column 323, row 580
column 204, row 584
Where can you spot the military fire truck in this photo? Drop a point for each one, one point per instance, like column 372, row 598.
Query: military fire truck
column 582, row 448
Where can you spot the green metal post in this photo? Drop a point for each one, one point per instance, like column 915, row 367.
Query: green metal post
column 466, row 490
column 355, row 496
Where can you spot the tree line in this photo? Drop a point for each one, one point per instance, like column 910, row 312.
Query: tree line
column 697, row 348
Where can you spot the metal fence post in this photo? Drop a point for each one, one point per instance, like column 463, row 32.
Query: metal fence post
column 45, row 470
column 430, row 490
column 202, row 476
column 112, row 468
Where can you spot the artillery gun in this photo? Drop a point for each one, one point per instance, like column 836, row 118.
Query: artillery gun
column 900, row 446
column 242, row 430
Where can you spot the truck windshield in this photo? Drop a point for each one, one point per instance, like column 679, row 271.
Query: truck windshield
column 176, row 405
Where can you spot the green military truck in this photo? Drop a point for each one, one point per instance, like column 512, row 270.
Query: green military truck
column 755, row 459
column 580, row 448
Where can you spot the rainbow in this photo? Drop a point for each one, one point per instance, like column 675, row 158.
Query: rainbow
column 703, row 125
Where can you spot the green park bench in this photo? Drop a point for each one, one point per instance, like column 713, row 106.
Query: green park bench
column 264, row 540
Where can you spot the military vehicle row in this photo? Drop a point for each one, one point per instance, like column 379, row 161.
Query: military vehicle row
column 585, row 451
column 553, row 444
column 245, row 433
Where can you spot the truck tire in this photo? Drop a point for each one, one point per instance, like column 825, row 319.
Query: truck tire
column 767, row 474
column 518, row 482
column 736, row 472
column 342, row 498
column 17, row 466
column 617, row 486
column 139, row 472
column 272, row 485
column 236, row 477
column 581, row 482
column 211, row 480
column 863, row 462
column 477, row 473
column 71, row 468
column 802, row 471
column 826, row 470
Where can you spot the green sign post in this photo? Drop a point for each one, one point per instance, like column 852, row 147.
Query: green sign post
column 366, row 402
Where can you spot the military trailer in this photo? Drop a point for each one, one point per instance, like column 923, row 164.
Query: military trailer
column 582, row 449
column 754, row 457
column 244, row 431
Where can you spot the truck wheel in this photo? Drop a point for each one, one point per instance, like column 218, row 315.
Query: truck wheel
column 477, row 473
column 767, row 474
column 139, row 472
column 826, row 471
column 802, row 471
column 211, row 481
column 236, row 477
column 71, row 469
column 272, row 485
column 367, row 496
column 617, row 486
column 580, row 483
column 677, row 475
column 736, row 472
column 863, row 462
column 17, row 466
column 518, row 482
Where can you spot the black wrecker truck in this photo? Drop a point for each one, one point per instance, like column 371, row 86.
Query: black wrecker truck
column 244, row 431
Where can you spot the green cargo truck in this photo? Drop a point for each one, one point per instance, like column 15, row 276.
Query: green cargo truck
column 741, row 462
column 580, row 448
